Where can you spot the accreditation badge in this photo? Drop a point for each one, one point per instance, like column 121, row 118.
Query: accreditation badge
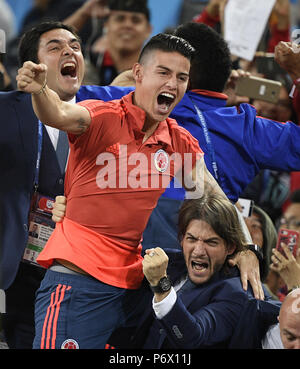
column 41, row 227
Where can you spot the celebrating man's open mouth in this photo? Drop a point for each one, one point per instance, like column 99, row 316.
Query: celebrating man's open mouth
column 165, row 100
column 199, row 266
column 69, row 69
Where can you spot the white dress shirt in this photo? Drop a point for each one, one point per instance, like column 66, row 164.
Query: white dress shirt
column 163, row 307
column 54, row 132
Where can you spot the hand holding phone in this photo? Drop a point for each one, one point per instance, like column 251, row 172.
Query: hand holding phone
column 290, row 238
column 258, row 88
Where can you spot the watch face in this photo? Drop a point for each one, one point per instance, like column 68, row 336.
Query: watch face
column 165, row 284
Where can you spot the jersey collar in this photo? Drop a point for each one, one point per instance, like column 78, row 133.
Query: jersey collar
column 217, row 95
column 136, row 118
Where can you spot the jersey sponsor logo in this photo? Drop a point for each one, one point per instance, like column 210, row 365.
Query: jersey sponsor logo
column 161, row 160
column 70, row 344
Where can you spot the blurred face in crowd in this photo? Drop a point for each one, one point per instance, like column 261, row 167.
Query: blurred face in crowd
column 205, row 252
column 291, row 217
column 274, row 281
column 291, row 220
column 161, row 81
column 61, row 52
column 281, row 111
column 127, row 31
column 254, row 225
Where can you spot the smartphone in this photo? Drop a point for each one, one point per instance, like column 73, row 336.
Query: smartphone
column 246, row 206
column 258, row 88
column 290, row 238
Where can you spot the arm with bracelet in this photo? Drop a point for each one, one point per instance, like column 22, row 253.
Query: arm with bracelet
column 49, row 108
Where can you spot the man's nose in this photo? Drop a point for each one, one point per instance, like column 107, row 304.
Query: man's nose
column 128, row 22
column 67, row 50
column 199, row 249
column 172, row 82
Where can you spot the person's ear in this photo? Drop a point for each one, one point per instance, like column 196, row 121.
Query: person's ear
column 137, row 72
column 231, row 249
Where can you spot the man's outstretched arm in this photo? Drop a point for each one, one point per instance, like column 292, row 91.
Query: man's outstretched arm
column 48, row 107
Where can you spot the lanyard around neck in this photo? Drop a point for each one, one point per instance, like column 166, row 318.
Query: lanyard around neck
column 208, row 140
column 39, row 154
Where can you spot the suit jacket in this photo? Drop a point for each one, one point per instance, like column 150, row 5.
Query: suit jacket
column 216, row 314
column 18, row 155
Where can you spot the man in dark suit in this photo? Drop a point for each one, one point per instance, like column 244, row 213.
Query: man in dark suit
column 30, row 164
column 198, row 301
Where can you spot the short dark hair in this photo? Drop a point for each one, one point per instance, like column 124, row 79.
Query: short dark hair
column 219, row 213
column 29, row 43
column 168, row 43
column 136, row 6
column 211, row 64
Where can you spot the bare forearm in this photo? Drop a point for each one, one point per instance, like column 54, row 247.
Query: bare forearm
column 210, row 184
column 32, row 78
column 59, row 114
column 200, row 181
column 91, row 8
column 78, row 19
column 47, row 107
column 292, row 281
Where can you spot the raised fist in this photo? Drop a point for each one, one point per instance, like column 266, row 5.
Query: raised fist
column 32, row 77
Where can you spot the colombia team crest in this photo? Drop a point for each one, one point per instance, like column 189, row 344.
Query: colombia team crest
column 161, row 160
column 70, row 344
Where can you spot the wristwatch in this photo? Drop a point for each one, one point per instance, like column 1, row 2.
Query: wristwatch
column 257, row 251
column 164, row 285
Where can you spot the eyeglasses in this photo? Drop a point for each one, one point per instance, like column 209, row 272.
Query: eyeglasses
column 290, row 223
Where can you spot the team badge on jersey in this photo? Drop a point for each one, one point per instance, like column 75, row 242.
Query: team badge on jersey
column 161, row 160
column 70, row 344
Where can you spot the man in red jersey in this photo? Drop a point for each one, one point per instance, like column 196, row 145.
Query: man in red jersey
column 123, row 155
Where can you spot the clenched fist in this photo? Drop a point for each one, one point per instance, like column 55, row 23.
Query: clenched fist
column 155, row 265
column 287, row 55
column 59, row 209
column 32, row 77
